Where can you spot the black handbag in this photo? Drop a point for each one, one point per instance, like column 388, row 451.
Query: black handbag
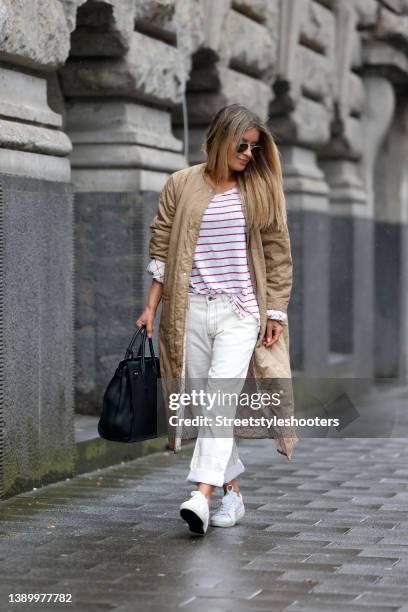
column 133, row 407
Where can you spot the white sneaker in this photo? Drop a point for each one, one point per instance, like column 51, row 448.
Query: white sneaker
column 196, row 512
column 231, row 510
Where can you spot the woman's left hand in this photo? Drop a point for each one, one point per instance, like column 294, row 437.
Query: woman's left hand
column 272, row 332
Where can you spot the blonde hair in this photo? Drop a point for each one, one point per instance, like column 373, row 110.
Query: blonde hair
column 261, row 183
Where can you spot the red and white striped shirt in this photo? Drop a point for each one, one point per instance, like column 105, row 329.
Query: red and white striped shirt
column 220, row 262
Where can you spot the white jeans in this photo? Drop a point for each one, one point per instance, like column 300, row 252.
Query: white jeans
column 219, row 345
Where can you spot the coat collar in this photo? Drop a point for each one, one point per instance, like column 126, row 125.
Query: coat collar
column 208, row 193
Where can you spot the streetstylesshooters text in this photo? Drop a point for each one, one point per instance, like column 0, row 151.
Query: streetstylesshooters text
column 255, row 401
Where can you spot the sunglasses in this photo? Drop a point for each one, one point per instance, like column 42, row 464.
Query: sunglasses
column 243, row 146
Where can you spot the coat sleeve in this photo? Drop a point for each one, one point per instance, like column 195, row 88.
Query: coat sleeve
column 162, row 223
column 278, row 262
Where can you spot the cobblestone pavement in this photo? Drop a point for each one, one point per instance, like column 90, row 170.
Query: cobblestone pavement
column 325, row 531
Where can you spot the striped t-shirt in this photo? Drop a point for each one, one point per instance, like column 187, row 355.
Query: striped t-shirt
column 220, row 262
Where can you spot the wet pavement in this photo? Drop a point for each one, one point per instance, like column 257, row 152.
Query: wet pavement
column 326, row 531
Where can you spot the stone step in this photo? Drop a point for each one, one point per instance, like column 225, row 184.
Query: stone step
column 93, row 452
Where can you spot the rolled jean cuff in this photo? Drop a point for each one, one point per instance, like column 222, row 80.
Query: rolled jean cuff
column 233, row 471
column 206, row 477
column 217, row 479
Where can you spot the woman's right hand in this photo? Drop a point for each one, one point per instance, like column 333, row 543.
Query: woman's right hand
column 153, row 299
column 147, row 318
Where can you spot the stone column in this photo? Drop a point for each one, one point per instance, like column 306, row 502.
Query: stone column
column 307, row 201
column 118, row 112
column 377, row 117
column 391, row 250
column 354, row 243
column 384, row 170
column 300, row 116
column 351, row 259
column 351, row 252
column 36, row 255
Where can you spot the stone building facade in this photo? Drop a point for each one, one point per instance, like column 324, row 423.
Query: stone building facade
column 101, row 99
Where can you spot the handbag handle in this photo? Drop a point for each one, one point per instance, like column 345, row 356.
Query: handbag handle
column 129, row 350
column 142, row 352
column 143, row 349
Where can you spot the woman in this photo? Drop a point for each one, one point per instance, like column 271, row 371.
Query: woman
column 221, row 264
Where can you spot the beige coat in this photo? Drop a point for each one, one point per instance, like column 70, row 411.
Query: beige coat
column 175, row 230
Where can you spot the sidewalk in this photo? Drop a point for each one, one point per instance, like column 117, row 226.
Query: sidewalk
column 326, row 531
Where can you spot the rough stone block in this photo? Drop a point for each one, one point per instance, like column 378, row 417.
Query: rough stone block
column 317, row 28
column 379, row 53
column 158, row 17
column 312, row 121
column 367, row 12
column 214, row 19
column 33, row 34
column 255, row 9
column 251, row 49
column 151, row 71
column 190, row 25
column 234, row 87
column 392, row 27
column 70, row 9
column 314, row 75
